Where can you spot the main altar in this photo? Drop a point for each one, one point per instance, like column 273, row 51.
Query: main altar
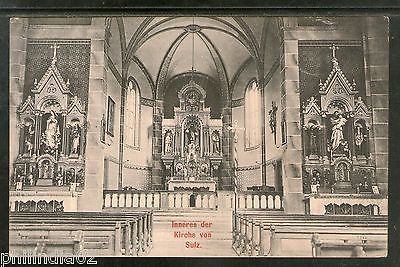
column 192, row 152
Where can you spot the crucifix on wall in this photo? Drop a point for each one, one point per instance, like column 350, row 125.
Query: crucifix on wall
column 272, row 119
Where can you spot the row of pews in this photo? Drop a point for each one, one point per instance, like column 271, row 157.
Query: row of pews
column 261, row 234
column 81, row 233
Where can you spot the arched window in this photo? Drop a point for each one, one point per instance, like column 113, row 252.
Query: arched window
column 132, row 118
column 252, row 115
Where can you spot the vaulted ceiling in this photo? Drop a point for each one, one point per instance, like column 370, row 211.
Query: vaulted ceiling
column 215, row 46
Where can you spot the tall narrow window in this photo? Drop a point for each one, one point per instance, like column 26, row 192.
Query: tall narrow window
column 132, row 120
column 252, row 115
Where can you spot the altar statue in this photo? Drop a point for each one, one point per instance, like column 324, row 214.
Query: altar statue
column 46, row 170
column 215, row 142
column 30, row 132
column 192, row 101
column 52, row 131
column 75, row 135
column 191, row 152
column 313, row 131
column 337, row 130
column 168, row 143
column 359, row 137
column 192, row 134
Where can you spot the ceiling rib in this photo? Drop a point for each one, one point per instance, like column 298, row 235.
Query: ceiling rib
column 162, row 74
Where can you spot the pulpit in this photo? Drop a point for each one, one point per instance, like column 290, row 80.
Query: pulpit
column 192, row 152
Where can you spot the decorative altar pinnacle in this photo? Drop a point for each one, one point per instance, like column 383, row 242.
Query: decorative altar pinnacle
column 54, row 47
column 334, row 59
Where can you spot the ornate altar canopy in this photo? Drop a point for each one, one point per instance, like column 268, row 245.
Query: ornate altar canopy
column 192, row 143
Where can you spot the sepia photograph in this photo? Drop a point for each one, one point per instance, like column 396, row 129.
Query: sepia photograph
column 198, row 136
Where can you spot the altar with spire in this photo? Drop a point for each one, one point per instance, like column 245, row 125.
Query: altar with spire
column 192, row 143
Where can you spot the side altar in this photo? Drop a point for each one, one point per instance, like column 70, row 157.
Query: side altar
column 192, row 143
column 52, row 123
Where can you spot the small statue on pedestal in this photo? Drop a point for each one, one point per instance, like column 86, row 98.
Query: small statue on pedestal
column 168, row 143
column 75, row 139
column 30, row 133
column 191, row 152
column 215, row 142
column 338, row 122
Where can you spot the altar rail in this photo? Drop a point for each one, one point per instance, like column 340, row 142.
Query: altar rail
column 259, row 200
column 261, row 234
column 159, row 200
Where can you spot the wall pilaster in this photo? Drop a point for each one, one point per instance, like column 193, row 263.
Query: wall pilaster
column 377, row 59
column 292, row 156
column 18, row 43
column 157, row 168
column 92, row 195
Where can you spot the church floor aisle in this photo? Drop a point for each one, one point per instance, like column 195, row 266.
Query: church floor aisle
column 210, row 234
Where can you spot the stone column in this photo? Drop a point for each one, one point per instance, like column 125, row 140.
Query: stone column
column 157, row 170
column 323, row 137
column 263, row 123
column 92, row 195
column 206, row 139
column 377, row 42
column 350, row 136
column 177, row 140
column 38, row 131
column 21, row 137
column 227, row 140
column 64, row 148
column 18, row 43
column 292, row 156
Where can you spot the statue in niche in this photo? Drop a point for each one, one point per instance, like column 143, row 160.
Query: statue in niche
column 192, row 142
column 168, row 142
column 31, row 179
column 51, row 136
column 313, row 129
column 192, row 134
column 313, row 142
column 204, row 169
column 29, row 138
column 359, row 138
column 192, row 101
column 46, row 170
column 179, row 169
column 59, row 178
column 75, row 138
column 215, row 142
column 338, row 122
column 191, row 152
column 192, row 170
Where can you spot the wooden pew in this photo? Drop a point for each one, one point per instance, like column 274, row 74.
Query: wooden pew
column 261, row 234
column 39, row 245
column 347, row 248
column 103, row 233
column 144, row 233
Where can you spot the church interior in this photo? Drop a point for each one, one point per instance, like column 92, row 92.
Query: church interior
column 255, row 122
